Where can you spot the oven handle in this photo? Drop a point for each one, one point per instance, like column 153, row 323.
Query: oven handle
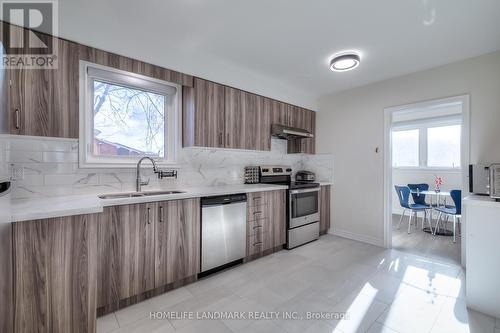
column 306, row 190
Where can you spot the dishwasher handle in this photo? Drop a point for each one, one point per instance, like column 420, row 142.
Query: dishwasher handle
column 223, row 200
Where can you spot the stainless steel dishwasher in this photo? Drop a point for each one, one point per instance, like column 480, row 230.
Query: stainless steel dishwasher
column 223, row 230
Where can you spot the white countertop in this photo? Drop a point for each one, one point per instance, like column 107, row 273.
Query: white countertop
column 42, row 208
column 480, row 200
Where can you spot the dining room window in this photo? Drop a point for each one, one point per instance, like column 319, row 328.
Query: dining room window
column 405, row 148
column 443, row 146
column 427, row 144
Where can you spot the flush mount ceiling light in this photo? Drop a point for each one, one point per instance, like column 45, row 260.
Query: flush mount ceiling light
column 344, row 62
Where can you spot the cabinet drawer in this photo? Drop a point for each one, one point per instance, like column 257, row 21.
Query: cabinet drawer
column 256, row 226
column 255, row 243
column 256, row 199
column 257, row 212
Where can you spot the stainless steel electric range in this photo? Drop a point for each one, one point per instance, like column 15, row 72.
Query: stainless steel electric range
column 302, row 204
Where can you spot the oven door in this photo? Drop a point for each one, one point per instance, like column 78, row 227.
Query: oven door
column 304, row 206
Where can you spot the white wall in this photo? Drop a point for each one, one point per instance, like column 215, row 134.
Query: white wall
column 452, row 181
column 351, row 126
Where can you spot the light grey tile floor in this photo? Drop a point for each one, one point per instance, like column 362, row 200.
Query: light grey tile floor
column 379, row 290
column 422, row 243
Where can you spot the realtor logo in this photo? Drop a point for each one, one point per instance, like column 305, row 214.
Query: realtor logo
column 34, row 46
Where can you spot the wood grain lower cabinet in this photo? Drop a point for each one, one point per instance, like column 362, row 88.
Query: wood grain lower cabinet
column 324, row 210
column 55, row 274
column 177, row 241
column 266, row 221
column 125, row 252
column 145, row 246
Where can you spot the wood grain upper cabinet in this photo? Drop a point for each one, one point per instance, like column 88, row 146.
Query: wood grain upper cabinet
column 305, row 119
column 177, row 241
column 203, row 114
column 277, row 111
column 44, row 102
column 247, row 122
column 125, row 252
column 324, row 210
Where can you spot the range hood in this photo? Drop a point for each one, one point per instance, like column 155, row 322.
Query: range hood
column 290, row 133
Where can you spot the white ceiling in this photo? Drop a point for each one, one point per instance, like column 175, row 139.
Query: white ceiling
column 280, row 48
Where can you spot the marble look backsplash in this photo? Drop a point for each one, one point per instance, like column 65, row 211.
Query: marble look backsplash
column 44, row 167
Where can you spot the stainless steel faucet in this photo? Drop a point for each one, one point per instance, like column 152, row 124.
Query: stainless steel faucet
column 161, row 174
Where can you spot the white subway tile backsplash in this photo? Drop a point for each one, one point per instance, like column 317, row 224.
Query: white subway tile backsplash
column 51, row 168
column 46, row 168
column 71, row 179
column 20, row 156
column 60, row 157
column 31, row 180
column 28, row 144
column 90, row 189
column 112, row 178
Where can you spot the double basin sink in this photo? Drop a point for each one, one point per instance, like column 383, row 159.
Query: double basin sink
column 137, row 194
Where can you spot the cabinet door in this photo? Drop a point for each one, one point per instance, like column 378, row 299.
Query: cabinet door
column 44, row 102
column 203, row 114
column 247, row 124
column 276, row 226
column 177, row 241
column 304, row 119
column 125, row 252
column 54, row 274
column 324, row 210
column 235, row 119
column 277, row 111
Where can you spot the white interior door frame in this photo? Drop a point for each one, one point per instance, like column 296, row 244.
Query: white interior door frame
column 465, row 143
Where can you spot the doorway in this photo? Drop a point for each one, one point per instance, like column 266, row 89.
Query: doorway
column 427, row 154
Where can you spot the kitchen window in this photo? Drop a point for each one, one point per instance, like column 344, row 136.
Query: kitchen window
column 428, row 144
column 125, row 116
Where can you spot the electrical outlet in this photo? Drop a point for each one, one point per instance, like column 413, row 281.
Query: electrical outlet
column 16, row 172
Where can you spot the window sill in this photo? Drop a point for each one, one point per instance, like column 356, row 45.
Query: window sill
column 429, row 169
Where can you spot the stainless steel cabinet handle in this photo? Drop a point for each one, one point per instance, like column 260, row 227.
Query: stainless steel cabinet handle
column 220, row 138
column 18, row 118
column 259, row 243
column 161, row 213
column 257, row 226
column 149, row 215
column 256, row 198
column 255, row 213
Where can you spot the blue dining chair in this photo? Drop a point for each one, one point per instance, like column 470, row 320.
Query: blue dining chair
column 418, row 198
column 404, row 200
column 452, row 211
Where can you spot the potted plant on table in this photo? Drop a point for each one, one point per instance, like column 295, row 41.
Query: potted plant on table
column 439, row 182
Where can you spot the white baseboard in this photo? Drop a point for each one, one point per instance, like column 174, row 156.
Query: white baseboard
column 357, row 237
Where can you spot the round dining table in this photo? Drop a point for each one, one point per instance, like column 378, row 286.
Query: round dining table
column 437, row 199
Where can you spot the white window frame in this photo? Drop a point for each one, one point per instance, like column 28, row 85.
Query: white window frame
column 422, row 126
column 173, row 121
column 410, row 128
